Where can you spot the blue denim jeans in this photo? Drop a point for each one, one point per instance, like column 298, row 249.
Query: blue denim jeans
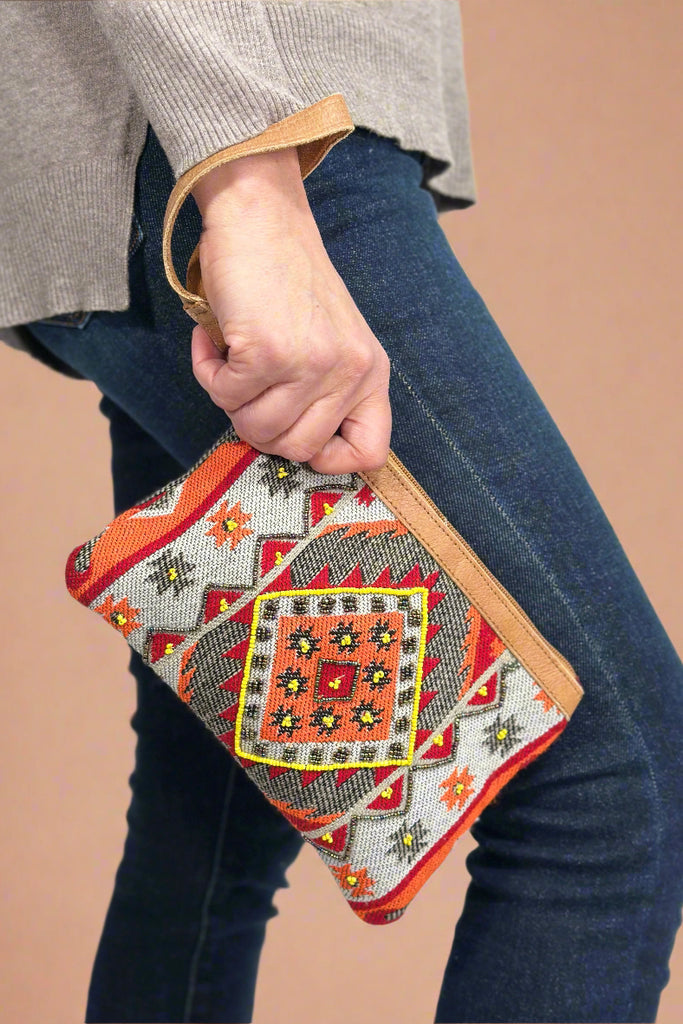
column 576, row 881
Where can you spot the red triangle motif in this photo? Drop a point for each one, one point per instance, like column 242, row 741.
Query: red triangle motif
column 425, row 697
column 365, row 495
column 345, row 773
column 393, row 800
column 159, row 642
column 354, row 579
column 430, row 580
column 281, row 582
column 491, row 694
column 384, row 578
column 433, row 598
column 318, row 501
column 233, row 683
column 435, row 750
column 230, row 714
column 321, row 580
column 244, row 614
column 428, row 664
column 307, row 777
column 239, row 651
column 269, row 552
column 338, row 839
column 213, row 602
column 432, row 628
column 412, row 578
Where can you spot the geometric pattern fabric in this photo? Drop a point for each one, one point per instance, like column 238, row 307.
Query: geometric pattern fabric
column 327, row 650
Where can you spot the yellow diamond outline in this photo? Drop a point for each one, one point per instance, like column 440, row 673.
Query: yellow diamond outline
column 396, row 591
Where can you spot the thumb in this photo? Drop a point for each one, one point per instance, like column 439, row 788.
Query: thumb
column 206, row 358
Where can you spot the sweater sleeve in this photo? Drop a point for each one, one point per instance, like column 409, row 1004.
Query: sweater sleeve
column 213, row 75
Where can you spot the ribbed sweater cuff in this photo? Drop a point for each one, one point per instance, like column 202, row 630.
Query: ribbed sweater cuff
column 192, row 64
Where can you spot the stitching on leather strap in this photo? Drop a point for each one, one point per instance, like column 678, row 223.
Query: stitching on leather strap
column 499, row 594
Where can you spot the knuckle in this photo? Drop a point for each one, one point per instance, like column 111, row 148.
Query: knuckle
column 297, row 451
column 214, row 395
column 376, row 452
column 215, row 392
column 247, row 429
column 259, row 438
column 376, row 459
column 315, row 363
column 277, row 353
column 360, row 363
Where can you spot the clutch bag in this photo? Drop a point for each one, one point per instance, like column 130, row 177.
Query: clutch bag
column 340, row 639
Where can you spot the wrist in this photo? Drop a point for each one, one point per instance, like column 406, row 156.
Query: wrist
column 249, row 179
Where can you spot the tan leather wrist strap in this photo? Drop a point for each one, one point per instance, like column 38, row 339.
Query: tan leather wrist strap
column 314, row 131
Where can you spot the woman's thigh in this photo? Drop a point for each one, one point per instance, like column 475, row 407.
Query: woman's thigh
column 580, row 852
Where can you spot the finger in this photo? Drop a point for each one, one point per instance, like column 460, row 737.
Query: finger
column 268, row 421
column 220, row 376
column 362, row 442
column 318, row 419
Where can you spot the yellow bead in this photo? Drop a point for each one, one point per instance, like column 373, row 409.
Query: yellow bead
column 335, row 683
column 173, row 574
column 377, row 676
column 501, row 734
column 223, row 606
column 386, row 638
column 351, row 879
column 231, row 524
column 282, row 472
column 293, row 684
column 121, row 619
column 287, row 720
column 483, row 691
column 386, row 793
column 408, row 840
column 366, row 717
column 328, row 508
column 169, row 649
column 438, row 740
column 278, row 557
column 328, row 720
column 327, row 838
column 459, row 788
column 346, row 640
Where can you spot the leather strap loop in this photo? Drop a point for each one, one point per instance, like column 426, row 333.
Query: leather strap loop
column 314, row 131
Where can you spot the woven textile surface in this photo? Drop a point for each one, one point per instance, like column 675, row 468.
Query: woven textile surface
column 324, row 646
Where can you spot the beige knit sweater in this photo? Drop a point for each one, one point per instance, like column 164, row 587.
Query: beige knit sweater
column 81, row 81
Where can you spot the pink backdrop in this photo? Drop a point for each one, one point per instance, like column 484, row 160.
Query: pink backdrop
column 575, row 246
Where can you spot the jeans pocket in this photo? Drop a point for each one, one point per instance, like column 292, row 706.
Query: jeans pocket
column 80, row 318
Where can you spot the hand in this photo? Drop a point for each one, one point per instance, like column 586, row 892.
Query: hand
column 302, row 362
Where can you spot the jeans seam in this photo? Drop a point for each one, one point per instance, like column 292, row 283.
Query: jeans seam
column 208, row 896
column 553, row 583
